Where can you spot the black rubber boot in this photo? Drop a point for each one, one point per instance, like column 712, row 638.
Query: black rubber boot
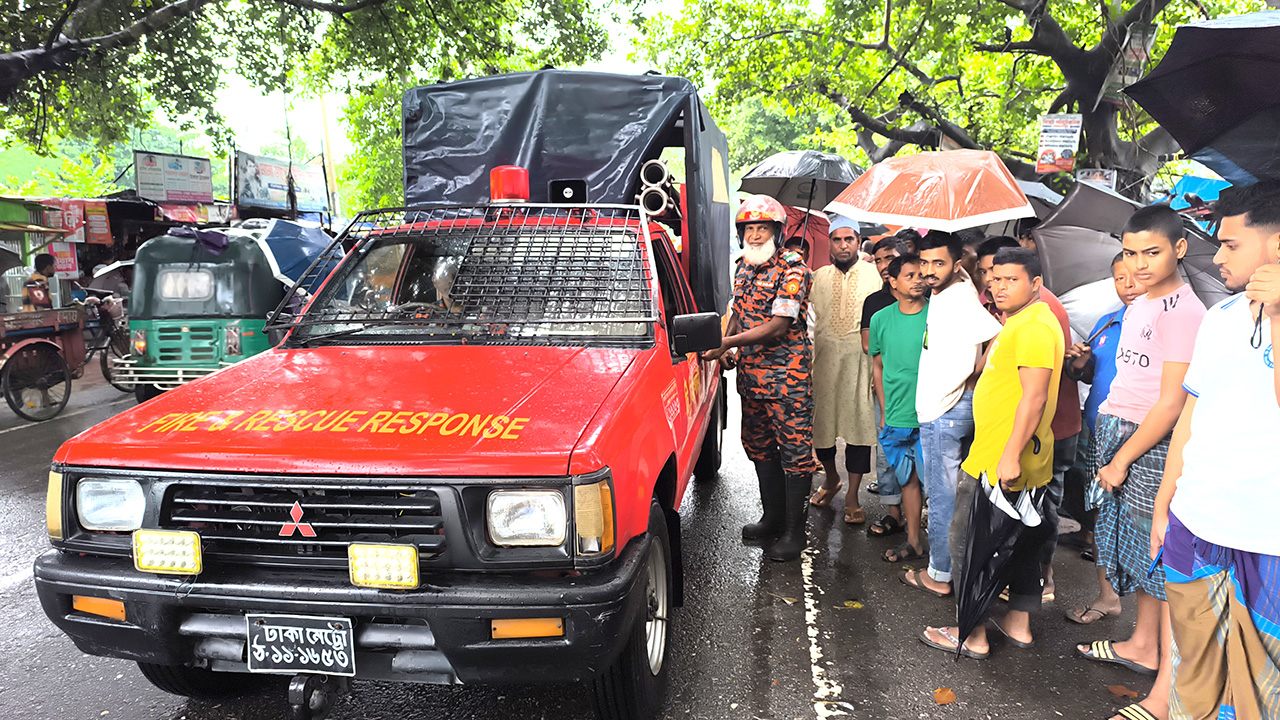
column 789, row 546
column 774, row 499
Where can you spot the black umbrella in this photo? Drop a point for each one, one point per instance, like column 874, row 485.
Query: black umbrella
column 995, row 524
column 801, row 178
column 1216, row 93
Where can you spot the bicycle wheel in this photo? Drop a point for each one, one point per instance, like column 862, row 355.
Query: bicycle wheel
column 36, row 383
column 116, row 348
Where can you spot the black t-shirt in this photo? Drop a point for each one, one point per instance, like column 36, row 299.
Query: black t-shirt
column 876, row 302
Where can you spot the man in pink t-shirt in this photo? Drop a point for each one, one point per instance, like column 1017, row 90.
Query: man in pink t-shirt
column 1133, row 429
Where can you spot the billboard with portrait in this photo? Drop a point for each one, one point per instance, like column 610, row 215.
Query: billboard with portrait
column 262, row 181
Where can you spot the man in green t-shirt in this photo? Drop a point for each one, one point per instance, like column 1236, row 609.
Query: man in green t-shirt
column 1013, row 407
column 896, row 338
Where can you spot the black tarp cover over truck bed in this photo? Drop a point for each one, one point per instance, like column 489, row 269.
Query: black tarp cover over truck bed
column 568, row 125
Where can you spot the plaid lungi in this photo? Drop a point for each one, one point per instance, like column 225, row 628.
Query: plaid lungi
column 1123, row 531
column 1088, row 462
column 1225, row 608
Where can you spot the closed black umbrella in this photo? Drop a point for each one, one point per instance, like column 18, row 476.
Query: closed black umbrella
column 1216, row 93
column 995, row 524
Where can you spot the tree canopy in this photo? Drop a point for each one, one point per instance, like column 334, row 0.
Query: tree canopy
column 936, row 73
column 97, row 69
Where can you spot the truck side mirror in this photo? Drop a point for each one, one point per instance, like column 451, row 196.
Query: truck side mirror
column 695, row 333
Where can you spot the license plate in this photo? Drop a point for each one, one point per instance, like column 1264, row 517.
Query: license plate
column 301, row 644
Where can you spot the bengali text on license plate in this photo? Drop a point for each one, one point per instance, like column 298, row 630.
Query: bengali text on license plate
column 301, row 644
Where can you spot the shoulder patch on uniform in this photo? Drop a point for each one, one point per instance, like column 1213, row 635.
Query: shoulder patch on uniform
column 792, row 287
column 793, row 257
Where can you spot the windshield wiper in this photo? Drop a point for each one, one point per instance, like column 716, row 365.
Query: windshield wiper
column 309, row 339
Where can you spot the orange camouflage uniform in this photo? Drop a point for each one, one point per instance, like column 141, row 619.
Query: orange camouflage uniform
column 774, row 377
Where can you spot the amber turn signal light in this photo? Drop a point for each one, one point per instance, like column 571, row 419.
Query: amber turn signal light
column 513, row 628
column 104, row 607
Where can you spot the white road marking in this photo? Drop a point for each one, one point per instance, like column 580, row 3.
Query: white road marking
column 69, row 415
column 827, row 692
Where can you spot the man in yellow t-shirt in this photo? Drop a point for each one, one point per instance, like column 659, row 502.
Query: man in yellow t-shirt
column 1013, row 406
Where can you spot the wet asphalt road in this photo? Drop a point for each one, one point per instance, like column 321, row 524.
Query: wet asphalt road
column 755, row 639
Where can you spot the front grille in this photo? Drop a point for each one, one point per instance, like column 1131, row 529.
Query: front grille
column 244, row 523
column 186, row 343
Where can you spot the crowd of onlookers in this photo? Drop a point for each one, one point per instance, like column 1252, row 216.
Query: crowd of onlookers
column 944, row 361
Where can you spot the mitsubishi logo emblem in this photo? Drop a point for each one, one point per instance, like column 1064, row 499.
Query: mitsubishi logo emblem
column 305, row 529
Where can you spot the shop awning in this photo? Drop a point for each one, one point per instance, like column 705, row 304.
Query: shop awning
column 28, row 227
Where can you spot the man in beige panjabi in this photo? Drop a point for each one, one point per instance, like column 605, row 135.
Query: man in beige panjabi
column 841, row 369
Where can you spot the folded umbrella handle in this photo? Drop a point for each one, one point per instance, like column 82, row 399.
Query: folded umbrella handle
column 1024, row 510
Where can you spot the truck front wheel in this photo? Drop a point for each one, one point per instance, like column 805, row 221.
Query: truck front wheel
column 634, row 686
column 198, row 682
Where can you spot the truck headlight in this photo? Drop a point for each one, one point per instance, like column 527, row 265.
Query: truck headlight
column 140, row 344
column 110, row 504
column 526, row 518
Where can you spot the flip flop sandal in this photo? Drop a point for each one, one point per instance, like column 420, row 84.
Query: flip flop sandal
column 857, row 517
column 1078, row 615
column 916, row 582
column 1136, row 712
column 924, row 638
column 1012, row 640
column 873, row 488
column 1104, row 651
column 885, row 526
column 904, row 553
column 823, row 497
column 1087, row 555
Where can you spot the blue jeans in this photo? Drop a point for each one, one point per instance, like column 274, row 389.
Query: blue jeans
column 943, row 441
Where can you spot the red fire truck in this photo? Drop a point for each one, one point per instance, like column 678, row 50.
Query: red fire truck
column 463, row 460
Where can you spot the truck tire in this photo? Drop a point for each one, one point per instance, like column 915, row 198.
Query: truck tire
column 710, row 456
column 634, row 686
column 198, row 682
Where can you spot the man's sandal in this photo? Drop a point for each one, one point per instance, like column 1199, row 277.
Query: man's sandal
column 904, row 553
column 1087, row 615
column 913, row 578
column 1104, row 651
column 823, row 497
column 924, row 638
column 885, row 526
column 1136, row 712
column 855, row 517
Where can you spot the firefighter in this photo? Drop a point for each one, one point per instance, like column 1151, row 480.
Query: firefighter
column 771, row 297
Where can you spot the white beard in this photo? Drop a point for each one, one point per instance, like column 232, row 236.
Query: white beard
column 759, row 256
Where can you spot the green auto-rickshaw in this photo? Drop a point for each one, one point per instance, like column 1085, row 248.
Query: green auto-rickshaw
column 194, row 310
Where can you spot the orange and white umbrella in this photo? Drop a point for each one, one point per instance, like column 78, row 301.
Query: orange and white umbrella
column 946, row 191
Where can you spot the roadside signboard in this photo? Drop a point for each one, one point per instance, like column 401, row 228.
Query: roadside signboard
column 86, row 220
column 1100, row 177
column 1059, row 141
column 263, row 182
column 67, row 265
column 173, row 178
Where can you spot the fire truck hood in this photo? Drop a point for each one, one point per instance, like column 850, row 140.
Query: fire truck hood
column 384, row 410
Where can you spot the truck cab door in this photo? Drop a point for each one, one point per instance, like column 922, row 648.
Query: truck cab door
column 694, row 378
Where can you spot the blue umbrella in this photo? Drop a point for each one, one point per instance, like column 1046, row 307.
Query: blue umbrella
column 293, row 247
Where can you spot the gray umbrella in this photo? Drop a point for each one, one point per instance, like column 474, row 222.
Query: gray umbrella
column 1078, row 241
column 9, row 260
column 801, row 178
column 1043, row 200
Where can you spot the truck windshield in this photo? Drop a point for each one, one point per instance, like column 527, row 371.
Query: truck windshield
column 527, row 275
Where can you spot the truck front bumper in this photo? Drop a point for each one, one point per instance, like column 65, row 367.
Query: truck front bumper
column 439, row 633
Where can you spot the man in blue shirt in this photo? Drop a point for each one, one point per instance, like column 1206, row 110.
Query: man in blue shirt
column 1094, row 362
